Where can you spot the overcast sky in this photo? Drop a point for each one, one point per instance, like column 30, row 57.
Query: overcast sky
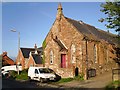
column 34, row 19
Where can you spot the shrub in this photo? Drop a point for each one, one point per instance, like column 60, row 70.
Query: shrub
column 23, row 75
column 24, row 71
column 113, row 85
column 13, row 74
column 79, row 77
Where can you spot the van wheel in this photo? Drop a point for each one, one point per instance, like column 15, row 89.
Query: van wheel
column 29, row 78
column 41, row 80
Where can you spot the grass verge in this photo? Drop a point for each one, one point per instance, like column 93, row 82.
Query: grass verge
column 113, row 85
column 78, row 78
column 65, row 80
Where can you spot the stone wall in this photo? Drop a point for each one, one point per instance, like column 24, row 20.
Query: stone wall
column 68, row 34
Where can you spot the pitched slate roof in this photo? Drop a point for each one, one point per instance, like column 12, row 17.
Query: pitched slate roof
column 91, row 32
column 37, row 58
column 40, row 49
column 26, row 51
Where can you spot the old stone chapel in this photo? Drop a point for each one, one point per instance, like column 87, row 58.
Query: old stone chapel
column 73, row 47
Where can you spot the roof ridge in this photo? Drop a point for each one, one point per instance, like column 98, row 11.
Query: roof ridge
column 30, row 48
column 26, row 48
column 106, row 32
column 35, row 54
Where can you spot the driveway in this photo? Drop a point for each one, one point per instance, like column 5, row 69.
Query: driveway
column 96, row 82
column 11, row 84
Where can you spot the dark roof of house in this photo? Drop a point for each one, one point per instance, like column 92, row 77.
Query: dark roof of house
column 93, row 33
column 26, row 51
column 37, row 58
column 40, row 49
column 60, row 44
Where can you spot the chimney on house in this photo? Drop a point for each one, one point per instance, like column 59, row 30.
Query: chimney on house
column 35, row 49
column 4, row 53
column 35, row 46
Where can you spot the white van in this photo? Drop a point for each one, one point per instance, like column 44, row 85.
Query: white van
column 41, row 74
column 6, row 69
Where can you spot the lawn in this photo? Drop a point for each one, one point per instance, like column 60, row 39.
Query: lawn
column 77, row 78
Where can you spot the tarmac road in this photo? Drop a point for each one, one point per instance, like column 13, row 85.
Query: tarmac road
column 0, row 82
column 10, row 84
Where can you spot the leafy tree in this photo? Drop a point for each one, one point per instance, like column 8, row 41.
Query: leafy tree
column 112, row 10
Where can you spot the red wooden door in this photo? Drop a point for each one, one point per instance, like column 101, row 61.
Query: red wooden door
column 63, row 60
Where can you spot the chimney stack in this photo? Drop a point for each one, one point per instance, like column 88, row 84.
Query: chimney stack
column 4, row 53
column 35, row 46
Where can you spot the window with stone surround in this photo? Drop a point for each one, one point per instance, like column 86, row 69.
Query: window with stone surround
column 95, row 53
column 80, row 51
column 51, row 57
column 107, row 54
column 73, row 49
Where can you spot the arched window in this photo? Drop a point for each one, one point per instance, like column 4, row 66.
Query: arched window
column 95, row 53
column 107, row 54
column 51, row 57
column 80, row 51
column 73, row 49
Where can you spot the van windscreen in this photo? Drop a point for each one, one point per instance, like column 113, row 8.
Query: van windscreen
column 44, row 70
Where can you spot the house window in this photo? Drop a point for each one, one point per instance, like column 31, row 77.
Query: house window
column 73, row 59
column 51, row 57
column 95, row 53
